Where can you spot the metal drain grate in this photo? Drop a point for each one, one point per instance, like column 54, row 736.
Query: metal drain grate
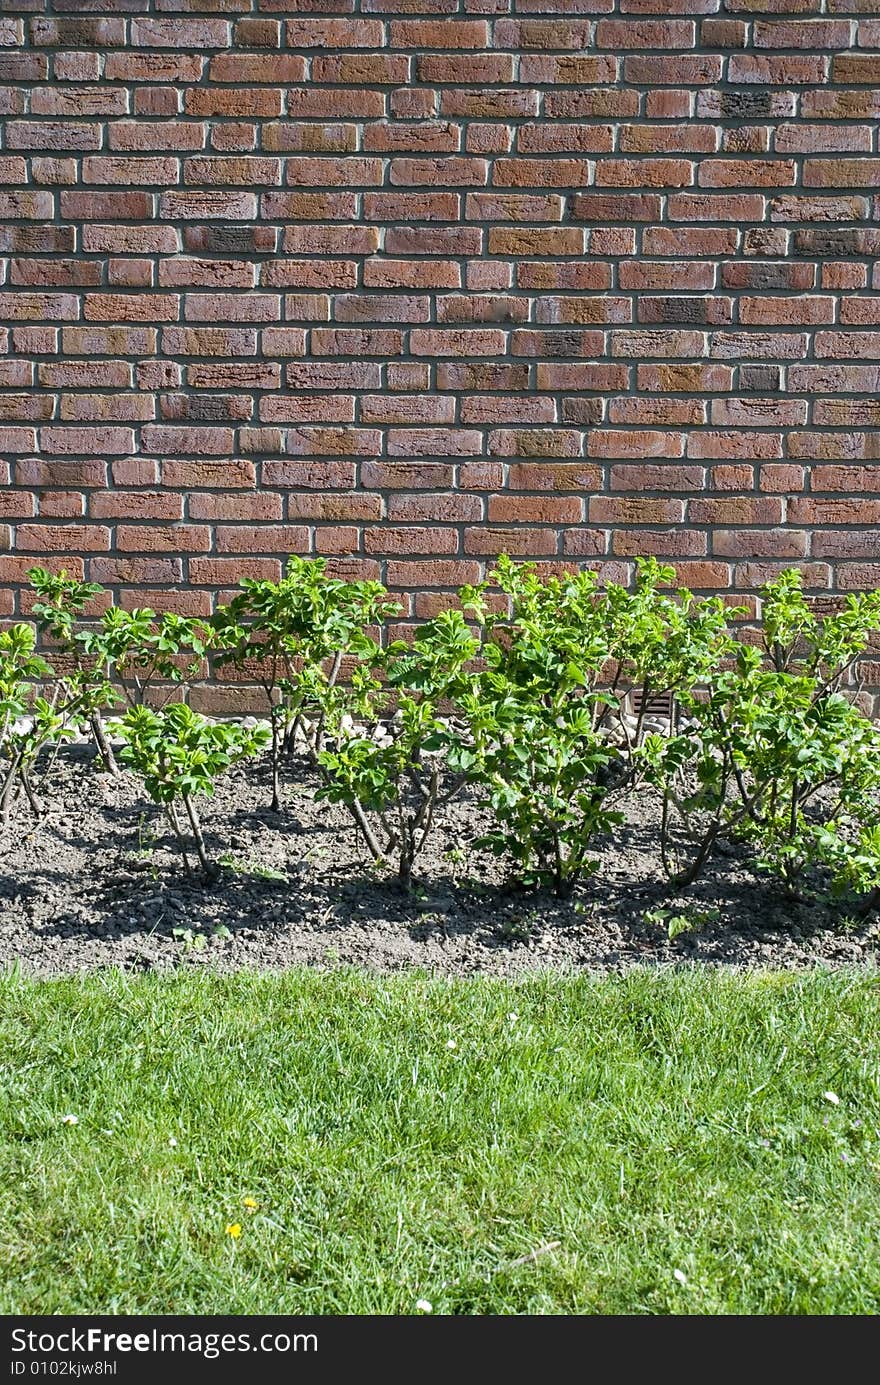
column 659, row 705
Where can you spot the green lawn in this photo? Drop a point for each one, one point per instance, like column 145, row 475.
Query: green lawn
column 668, row 1135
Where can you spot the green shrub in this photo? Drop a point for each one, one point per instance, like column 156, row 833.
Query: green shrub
column 775, row 752
column 60, row 605
column 553, row 746
column 540, row 760
column 393, row 775
column 662, row 640
column 150, row 657
column 293, row 636
column 520, row 692
column 135, row 656
column 27, row 720
column 178, row 755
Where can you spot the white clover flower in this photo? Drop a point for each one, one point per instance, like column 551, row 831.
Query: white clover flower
column 423, row 1306
column 832, row 1097
column 70, row 1120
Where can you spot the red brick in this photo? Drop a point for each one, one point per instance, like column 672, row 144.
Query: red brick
column 19, row 307
column 808, row 139
column 554, row 476
column 854, row 67
column 496, row 409
column 180, row 33
column 61, row 538
column 795, row 311
column 637, row 478
column 100, row 441
column 759, row 413
column 535, row 442
column 709, row 444
column 15, row 439
column 673, row 70
column 354, row 341
column 15, row 570
column 201, row 441
column 231, row 101
column 642, row 443
column 196, row 475
column 437, row 342
column 429, row 507
column 444, row 34
column 135, row 572
column 669, row 139
column 381, row 308
column 265, row 539
column 412, row 409
column 323, row 475
column 432, row 442
column 696, row 206
column 500, row 206
column 619, row 34
column 136, row 505
column 140, row 307
column 321, row 408
column 503, row 242
column 783, row 70
column 247, row 68
column 134, row 471
column 214, row 506
column 519, row 509
column 56, row 504
column 655, row 173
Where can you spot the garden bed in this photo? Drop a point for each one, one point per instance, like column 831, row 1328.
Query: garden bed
column 98, row 881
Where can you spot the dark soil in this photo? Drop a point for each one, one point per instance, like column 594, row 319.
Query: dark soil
column 97, row 882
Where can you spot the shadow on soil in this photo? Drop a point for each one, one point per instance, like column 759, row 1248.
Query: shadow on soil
column 103, row 866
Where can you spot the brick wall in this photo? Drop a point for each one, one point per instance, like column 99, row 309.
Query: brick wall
column 410, row 282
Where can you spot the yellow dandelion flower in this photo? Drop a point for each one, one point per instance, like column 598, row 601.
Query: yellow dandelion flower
column 250, row 1202
column 233, row 1229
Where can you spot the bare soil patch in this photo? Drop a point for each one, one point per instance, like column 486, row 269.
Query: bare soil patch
column 98, row 882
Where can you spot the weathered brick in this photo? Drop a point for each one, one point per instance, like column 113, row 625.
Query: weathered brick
column 160, row 538
column 257, row 67
column 136, row 505
column 180, row 33
column 77, row 32
column 89, row 441
column 449, row 342
column 268, row 539
column 62, row 538
column 584, row 282
column 642, row 443
column 708, row 443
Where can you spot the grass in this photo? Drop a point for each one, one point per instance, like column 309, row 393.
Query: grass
column 669, row 1136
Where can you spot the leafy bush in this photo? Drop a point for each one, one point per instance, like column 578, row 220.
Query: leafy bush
column 553, row 747
column 519, row 692
column 663, row 640
column 393, row 776
column 293, row 635
column 774, row 751
column 27, row 720
column 132, row 655
column 534, row 715
column 61, row 602
column 149, row 656
column 178, row 755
